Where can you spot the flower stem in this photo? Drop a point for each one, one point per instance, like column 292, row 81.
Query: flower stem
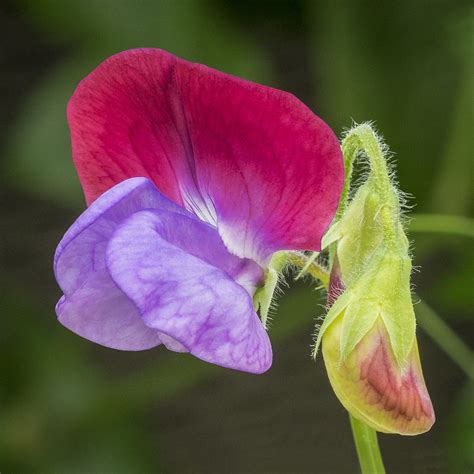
column 363, row 140
column 367, row 446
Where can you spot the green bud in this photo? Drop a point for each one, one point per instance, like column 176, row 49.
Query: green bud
column 371, row 323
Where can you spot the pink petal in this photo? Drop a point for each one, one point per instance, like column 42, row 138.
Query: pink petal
column 252, row 159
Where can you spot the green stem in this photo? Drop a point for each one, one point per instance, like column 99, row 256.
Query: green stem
column 308, row 265
column 442, row 224
column 362, row 140
column 367, row 446
column 445, row 337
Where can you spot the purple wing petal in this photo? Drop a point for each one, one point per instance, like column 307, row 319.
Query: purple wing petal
column 75, row 257
column 100, row 312
column 167, row 264
column 92, row 305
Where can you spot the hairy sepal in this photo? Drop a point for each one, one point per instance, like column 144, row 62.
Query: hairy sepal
column 263, row 297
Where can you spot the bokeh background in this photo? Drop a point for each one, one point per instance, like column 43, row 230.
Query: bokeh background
column 69, row 406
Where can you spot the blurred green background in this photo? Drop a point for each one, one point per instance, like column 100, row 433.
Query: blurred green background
column 69, row 406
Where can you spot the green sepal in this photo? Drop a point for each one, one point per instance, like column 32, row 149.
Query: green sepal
column 262, row 298
column 307, row 265
column 397, row 313
column 359, row 318
column 278, row 261
column 382, row 290
column 336, row 310
column 332, row 235
column 367, row 302
column 358, row 233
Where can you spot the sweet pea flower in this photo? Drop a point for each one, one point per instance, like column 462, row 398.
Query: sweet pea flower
column 194, row 179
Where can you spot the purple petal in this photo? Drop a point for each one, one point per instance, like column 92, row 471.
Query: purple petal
column 177, row 272
column 100, row 312
column 75, row 256
column 92, row 305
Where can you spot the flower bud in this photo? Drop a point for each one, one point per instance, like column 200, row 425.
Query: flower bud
column 368, row 336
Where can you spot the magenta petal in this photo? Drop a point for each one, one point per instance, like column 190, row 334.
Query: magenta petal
column 182, row 294
column 252, row 159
